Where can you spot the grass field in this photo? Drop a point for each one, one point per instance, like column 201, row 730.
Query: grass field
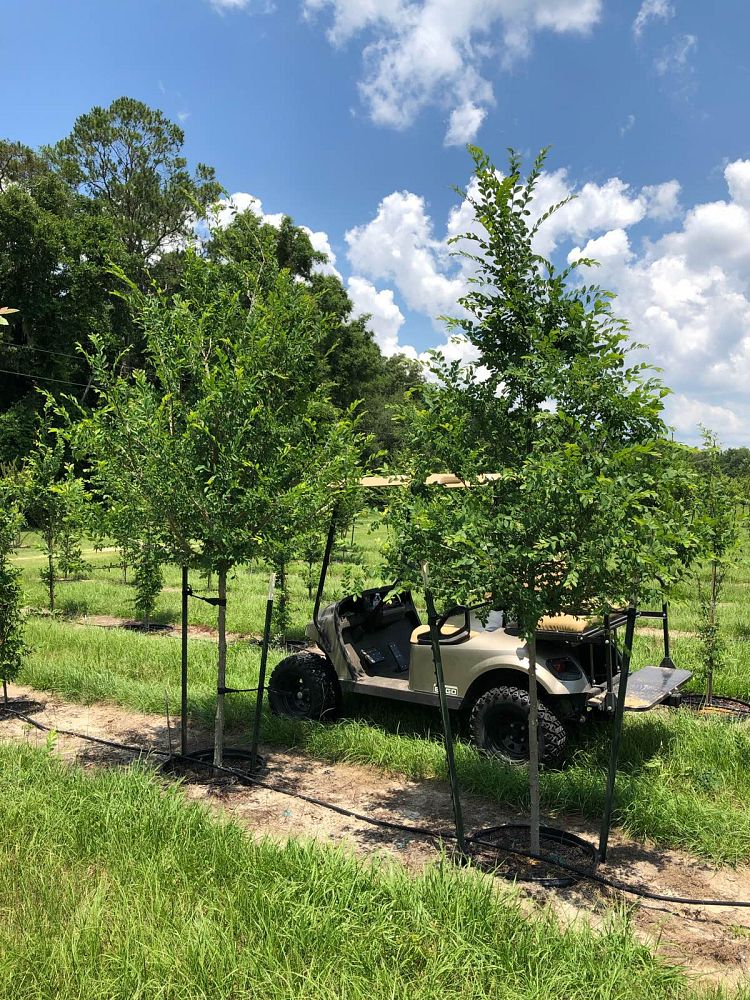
column 114, row 889
column 684, row 781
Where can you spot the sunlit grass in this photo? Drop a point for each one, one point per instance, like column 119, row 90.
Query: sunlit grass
column 114, row 888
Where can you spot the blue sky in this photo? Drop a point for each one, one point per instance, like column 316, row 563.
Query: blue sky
column 350, row 115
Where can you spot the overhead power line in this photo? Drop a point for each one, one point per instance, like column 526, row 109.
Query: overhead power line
column 44, row 378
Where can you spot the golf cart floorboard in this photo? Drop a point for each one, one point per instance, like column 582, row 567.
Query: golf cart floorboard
column 648, row 687
column 396, row 688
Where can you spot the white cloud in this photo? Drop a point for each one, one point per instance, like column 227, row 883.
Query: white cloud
column 418, row 52
column 738, row 180
column 651, row 10
column 321, row 242
column 686, row 294
column 398, row 245
column 386, row 319
column 627, row 126
column 251, row 6
column 687, row 414
column 464, row 123
column 675, row 58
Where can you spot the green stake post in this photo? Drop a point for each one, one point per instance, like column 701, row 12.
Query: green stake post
column 447, row 731
column 184, row 671
column 262, row 675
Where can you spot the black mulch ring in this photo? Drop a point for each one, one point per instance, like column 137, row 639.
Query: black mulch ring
column 488, row 850
column 28, row 706
column 726, row 708
column 197, row 766
column 136, row 626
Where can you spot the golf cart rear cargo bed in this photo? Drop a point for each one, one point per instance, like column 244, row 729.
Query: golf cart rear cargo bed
column 648, row 687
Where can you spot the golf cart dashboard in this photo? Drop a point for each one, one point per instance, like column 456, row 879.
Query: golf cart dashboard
column 376, row 627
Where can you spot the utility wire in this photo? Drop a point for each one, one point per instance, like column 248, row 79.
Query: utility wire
column 43, row 378
column 43, row 350
column 418, row 831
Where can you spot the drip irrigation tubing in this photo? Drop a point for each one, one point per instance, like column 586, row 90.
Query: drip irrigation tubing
column 418, row 831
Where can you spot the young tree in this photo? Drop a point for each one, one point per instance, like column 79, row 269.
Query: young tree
column 580, row 516
column 11, row 622
column 225, row 440
column 43, row 472
column 718, row 498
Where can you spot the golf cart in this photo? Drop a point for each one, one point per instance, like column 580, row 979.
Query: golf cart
column 375, row 644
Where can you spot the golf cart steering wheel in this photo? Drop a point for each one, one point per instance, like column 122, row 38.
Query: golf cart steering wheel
column 375, row 615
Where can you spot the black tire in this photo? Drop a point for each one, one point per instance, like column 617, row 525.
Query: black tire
column 499, row 724
column 304, row 686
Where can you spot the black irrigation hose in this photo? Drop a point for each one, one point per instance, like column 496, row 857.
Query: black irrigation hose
column 419, row 831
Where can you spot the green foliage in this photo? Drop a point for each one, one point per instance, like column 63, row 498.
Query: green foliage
column 224, row 441
column 11, row 621
column 128, row 159
column 148, row 580
column 719, row 496
column 589, row 503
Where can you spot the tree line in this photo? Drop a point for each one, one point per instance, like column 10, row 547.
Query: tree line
column 114, row 205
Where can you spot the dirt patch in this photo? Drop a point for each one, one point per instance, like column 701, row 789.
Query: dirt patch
column 169, row 630
column 674, row 633
column 713, row 943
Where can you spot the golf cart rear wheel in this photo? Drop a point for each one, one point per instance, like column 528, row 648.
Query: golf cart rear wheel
column 499, row 724
column 304, row 686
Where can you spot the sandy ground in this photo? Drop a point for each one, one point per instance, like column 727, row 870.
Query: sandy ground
column 712, row 943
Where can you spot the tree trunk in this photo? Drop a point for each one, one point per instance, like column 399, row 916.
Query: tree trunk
column 712, row 623
column 534, row 819
column 51, row 574
column 222, row 670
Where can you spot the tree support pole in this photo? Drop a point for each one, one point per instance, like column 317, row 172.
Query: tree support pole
column 262, row 675
column 447, row 732
column 222, row 669
column 184, row 670
column 622, row 690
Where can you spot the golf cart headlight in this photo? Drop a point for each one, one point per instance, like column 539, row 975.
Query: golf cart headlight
column 563, row 668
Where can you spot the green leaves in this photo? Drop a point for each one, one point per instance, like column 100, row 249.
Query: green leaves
column 592, row 503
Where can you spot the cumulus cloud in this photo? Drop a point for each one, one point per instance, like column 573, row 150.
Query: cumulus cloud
column 398, row 245
column 386, row 319
column 464, row 123
column 651, row 10
column 418, row 52
column 686, row 294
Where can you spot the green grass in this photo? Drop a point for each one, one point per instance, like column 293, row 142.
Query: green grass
column 113, row 887
column 684, row 781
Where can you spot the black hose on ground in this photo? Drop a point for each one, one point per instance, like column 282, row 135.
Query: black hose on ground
column 418, row 831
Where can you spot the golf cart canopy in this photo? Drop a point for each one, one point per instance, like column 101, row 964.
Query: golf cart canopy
column 447, row 479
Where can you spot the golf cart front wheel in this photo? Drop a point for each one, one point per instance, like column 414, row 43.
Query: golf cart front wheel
column 304, row 686
column 499, row 724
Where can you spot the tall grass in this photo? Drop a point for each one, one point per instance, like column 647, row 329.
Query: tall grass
column 114, row 888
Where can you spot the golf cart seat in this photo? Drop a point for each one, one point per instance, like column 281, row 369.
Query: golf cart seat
column 450, row 636
column 564, row 623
